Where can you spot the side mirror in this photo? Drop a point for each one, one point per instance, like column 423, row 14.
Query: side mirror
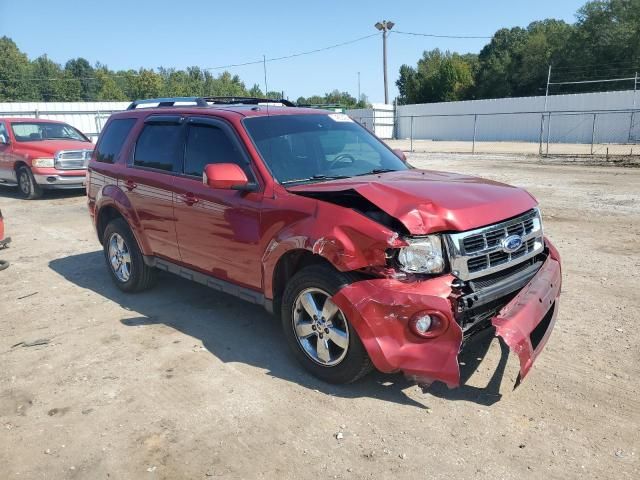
column 3, row 139
column 227, row 176
column 400, row 154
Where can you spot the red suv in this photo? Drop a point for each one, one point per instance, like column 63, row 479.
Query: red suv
column 368, row 261
column 41, row 154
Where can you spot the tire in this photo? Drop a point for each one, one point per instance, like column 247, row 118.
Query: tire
column 27, row 184
column 139, row 276
column 4, row 265
column 339, row 365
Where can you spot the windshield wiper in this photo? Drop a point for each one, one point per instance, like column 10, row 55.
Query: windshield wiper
column 314, row 177
column 376, row 171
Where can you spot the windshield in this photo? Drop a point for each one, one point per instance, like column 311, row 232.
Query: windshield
column 309, row 148
column 36, row 131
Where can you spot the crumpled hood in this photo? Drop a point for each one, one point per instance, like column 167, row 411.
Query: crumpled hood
column 428, row 201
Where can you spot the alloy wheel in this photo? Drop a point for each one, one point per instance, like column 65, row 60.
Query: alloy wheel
column 320, row 327
column 119, row 257
column 25, row 183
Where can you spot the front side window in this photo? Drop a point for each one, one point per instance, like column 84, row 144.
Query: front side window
column 38, row 131
column 158, row 146
column 112, row 139
column 307, row 148
column 209, row 144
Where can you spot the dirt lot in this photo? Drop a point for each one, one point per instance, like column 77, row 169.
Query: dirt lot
column 184, row 382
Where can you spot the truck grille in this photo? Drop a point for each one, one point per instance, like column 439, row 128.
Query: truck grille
column 73, row 159
column 482, row 251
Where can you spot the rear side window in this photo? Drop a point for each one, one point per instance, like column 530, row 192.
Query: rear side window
column 208, row 144
column 113, row 139
column 157, row 146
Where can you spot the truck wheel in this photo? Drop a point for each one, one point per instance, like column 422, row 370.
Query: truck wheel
column 124, row 259
column 27, row 184
column 318, row 332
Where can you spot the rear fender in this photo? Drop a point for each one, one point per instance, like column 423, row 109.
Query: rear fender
column 112, row 196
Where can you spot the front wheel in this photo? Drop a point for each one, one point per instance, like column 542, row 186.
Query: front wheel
column 27, row 184
column 317, row 331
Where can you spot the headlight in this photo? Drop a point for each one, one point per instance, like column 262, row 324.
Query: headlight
column 423, row 255
column 42, row 162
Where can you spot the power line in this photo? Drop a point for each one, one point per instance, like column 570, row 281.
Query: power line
column 440, row 36
column 219, row 67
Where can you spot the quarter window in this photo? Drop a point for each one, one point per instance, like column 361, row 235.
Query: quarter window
column 157, row 146
column 113, row 139
column 209, row 144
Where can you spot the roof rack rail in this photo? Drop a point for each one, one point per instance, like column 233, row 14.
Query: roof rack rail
column 168, row 102
column 207, row 101
column 221, row 100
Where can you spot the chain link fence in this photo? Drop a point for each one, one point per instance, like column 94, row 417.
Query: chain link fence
column 599, row 132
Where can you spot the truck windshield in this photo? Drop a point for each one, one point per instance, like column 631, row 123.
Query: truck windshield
column 312, row 148
column 35, row 131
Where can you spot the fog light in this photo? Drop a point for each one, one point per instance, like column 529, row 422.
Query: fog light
column 51, row 179
column 428, row 324
column 422, row 324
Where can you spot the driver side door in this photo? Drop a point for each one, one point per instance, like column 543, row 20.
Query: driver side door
column 218, row 230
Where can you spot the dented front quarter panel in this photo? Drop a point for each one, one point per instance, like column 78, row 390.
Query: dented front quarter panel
column 344, row 237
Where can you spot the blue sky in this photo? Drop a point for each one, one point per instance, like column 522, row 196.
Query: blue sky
column 145, row 33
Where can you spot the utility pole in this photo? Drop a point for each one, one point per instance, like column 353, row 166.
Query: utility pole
column 384, row 27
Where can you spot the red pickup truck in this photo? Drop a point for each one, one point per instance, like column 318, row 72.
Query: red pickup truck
column 41, row 154
column 368, row 261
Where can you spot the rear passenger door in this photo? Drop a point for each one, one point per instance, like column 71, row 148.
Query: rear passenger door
column 149, row 181
column 218, row 230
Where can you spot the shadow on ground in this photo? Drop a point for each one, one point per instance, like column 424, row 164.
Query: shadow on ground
column 10, row 191
column 236, row 331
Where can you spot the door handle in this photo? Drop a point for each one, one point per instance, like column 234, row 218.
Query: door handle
column 188, row 198
column 130, row 185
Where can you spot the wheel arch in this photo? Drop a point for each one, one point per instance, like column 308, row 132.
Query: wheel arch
column 113, row 203
column 289, row 263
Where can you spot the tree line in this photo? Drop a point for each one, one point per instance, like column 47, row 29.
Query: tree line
column 42, row 79
column 603, row 43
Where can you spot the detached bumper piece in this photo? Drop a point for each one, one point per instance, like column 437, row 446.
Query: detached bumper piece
column 521, row 308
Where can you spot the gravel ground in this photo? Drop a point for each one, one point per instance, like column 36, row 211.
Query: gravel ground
column 185, row 382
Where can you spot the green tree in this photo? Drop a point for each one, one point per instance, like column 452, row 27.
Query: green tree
column 84, row 74
column 15, row 73
column 438, row 77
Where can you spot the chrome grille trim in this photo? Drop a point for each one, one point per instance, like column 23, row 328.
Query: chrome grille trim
column 72, row 159
column 476, row 253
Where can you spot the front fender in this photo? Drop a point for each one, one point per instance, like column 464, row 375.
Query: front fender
column 348, row 240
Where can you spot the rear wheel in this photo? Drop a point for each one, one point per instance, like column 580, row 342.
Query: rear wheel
column 318, row 332
column 124, row 259
column 27, row 184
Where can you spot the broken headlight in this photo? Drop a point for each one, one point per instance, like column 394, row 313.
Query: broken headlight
column 422, row 255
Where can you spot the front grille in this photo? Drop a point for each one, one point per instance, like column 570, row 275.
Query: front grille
column 481, row 251
column 73, row 159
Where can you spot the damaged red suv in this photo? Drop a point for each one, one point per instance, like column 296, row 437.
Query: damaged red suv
column 368, row 261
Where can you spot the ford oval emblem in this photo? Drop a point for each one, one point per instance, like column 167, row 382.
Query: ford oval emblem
column 511, row 243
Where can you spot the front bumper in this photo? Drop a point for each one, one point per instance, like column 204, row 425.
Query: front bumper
column 380, row 309
column 57, row 180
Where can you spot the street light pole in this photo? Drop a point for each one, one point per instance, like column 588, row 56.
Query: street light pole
column 384, row 27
